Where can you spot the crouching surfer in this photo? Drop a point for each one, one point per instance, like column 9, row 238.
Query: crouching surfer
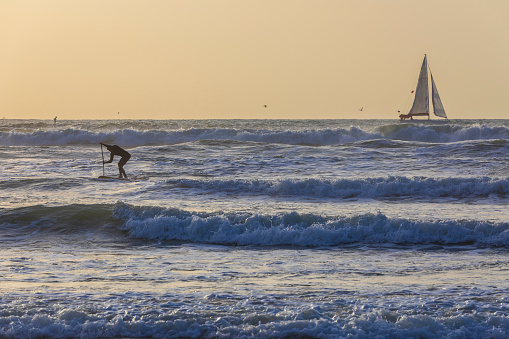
column 124, row 157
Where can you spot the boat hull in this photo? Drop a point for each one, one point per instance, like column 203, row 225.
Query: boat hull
column 424, row 121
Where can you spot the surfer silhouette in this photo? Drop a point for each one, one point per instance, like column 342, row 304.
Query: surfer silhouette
column 122, row 153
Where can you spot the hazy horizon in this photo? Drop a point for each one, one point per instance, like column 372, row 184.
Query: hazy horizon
column 225, row 59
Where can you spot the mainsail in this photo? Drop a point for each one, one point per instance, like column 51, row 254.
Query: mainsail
column 421, row 100
column 420, row 106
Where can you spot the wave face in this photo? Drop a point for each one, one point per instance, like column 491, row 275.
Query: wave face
column 369, row 188
column 296, row 229
column 123, row 133
column 43, row 222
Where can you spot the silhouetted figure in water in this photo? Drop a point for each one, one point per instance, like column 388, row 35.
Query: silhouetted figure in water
column 55, row 121
column 124, row 157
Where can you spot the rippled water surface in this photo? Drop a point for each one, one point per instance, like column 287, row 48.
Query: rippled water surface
column 239, row 228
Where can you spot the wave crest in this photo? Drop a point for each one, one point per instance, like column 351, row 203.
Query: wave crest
column 242, row 229
column 367, row 188
column 442, row 133
column 323, row 137
column 296, row 229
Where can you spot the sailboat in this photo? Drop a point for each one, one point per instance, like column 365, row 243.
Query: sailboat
column 420, row 106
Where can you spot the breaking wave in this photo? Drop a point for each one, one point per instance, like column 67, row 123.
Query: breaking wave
column 244, row 229
column 443, row 133
column 368, row 188
column 296, row 229
column 324, row 137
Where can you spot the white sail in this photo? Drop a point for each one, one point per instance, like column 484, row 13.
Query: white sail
column 421, row 100
column 438, row 108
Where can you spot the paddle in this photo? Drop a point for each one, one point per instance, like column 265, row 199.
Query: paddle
column 102, row 152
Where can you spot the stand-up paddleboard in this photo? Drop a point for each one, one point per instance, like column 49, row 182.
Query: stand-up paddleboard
column 103, row 177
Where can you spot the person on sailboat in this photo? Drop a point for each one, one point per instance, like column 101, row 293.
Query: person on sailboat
column 122, row 153
column 405, row 116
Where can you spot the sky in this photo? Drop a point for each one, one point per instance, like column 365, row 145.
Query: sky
column 228, row 59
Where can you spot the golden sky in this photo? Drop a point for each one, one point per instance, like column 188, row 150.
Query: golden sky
column 223, row 59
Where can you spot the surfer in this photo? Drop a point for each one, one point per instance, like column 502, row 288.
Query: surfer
column 124, row 157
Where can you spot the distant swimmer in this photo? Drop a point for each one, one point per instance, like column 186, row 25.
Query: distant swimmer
column 124, row 157
column 55, row 121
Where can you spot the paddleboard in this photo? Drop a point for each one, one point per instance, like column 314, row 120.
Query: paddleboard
column 115, row 178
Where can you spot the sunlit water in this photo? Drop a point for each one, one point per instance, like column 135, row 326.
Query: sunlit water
column 258, row 228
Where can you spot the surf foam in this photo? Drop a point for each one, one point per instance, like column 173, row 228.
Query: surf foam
column 296, row 229
column 324, row 137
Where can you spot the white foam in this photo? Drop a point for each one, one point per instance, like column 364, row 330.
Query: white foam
column 302, row 230
column 200, row 322
column 133, row 137
column 368, row 188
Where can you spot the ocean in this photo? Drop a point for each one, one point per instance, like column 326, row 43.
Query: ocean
column 255, row 229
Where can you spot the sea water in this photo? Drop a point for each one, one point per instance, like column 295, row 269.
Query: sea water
column 255, row 228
